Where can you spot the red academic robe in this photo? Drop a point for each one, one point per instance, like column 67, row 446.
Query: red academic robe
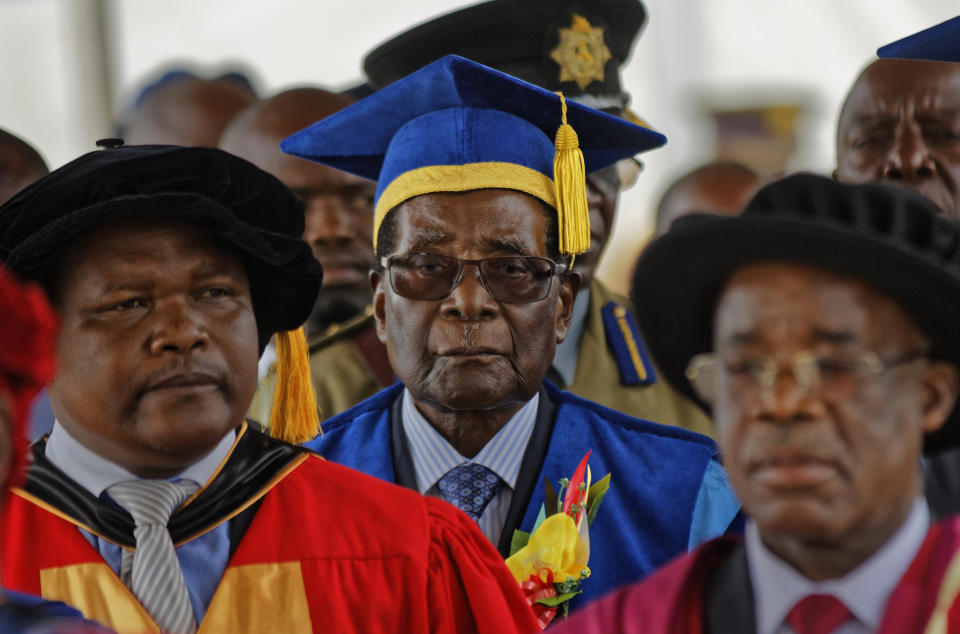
column 328, row 550
column 671, row 601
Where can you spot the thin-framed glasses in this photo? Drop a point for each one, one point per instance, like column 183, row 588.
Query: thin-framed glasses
column 628, row 171
column 618, row 177
column 813, row 372
column 515, row 279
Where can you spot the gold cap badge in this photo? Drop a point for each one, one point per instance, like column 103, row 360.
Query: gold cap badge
column 581, row 52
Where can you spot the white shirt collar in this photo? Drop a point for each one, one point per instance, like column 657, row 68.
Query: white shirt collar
column 433, row 456
column 95, row 473
column 777, row 586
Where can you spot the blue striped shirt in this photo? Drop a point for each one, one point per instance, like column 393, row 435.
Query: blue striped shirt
column 433, row 457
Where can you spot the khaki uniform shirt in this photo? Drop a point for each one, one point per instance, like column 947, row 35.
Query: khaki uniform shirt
column 341, row 375
column 599, row 377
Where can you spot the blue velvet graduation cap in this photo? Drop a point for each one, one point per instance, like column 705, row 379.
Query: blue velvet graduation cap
column 940, row 43
column 455, row 125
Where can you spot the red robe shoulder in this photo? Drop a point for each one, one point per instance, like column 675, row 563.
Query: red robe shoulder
column 386, row 559
column 329, row 549
column 670, row 601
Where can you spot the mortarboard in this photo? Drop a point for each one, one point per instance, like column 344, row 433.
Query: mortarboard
column 456, row 125
column 236, row 202
column 939, row 43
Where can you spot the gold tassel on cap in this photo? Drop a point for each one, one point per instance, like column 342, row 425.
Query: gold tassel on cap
column 293, row 417
column 570, row 183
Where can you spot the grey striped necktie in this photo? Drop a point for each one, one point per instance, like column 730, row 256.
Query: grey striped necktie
column 152, row 571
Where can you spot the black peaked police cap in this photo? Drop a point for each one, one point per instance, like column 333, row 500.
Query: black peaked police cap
column 238, row 203
column 574, row 46
column 889, row 237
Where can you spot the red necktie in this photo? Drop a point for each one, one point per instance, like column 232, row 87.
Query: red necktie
column 818, row 614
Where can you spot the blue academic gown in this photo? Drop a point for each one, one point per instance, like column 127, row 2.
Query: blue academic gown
column 656, row 473
column 25, row 613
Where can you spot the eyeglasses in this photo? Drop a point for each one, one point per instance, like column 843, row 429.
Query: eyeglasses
column 628, row 171
column 620, row 176
column 509, row 279
column 829, row 375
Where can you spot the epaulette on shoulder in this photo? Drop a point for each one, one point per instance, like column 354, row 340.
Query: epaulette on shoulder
column 338, row 331
column 623, row 337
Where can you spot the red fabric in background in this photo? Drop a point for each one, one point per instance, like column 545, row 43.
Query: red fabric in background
column 28, row 334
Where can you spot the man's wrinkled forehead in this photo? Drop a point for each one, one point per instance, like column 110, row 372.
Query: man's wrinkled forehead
column 886, row 84
column 771, row 302
column 431, row 221
column 131, row 241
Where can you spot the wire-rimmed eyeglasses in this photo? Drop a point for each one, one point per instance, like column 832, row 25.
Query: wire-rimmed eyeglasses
column 812, row 371
column 512, row 279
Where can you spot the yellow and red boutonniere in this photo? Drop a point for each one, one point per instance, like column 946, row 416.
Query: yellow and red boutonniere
column 550, row 562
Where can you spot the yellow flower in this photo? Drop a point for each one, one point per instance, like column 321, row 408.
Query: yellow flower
column 555, row 546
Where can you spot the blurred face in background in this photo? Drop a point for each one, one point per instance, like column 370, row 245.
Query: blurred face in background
column 722, row 188
column 836, row 460
column 338, row 207
column 901, row 124
column 603, row 192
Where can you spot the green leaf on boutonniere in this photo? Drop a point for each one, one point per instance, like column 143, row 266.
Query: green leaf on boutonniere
column 553, row 602
column 569, row 586
column 597, row 491
column 518, row 541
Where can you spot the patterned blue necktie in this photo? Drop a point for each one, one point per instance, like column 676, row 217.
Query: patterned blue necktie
column 469, row 487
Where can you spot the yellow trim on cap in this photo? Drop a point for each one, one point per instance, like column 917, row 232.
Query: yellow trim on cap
column 461, row 178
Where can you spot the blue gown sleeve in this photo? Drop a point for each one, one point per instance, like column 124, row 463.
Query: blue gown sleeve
column 716, row 506
column 22, row 613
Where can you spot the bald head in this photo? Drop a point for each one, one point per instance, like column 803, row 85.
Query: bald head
column 188, row 111
column 338, row 206
column 900, row 123
column 20, row 165
column 255, row 134
column 717, row 188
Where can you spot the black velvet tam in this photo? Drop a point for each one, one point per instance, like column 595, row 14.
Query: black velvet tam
column 238, row 203
column 518, row 37
column 891, row 238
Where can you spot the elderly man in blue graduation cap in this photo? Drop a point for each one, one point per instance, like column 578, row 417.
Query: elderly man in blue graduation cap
column 581, row 49
column 899, row 122
column 480, row 210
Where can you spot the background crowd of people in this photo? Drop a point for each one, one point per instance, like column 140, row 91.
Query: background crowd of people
column 273, row 306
